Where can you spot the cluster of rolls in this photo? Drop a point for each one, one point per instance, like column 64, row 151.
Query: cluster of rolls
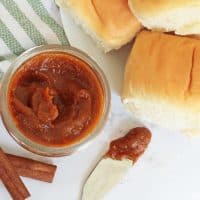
column 113, row 23
column 162, row 74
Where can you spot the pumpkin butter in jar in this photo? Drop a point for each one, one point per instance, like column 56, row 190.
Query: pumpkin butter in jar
column 55, row 99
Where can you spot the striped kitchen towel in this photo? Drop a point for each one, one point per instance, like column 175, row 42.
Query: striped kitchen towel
column 28, row 23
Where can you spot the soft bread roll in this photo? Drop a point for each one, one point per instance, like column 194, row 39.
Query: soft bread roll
column 181, row 16
column 110, row 23
column 162, row 81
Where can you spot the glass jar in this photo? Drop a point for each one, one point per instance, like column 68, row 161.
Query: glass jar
column 27, row 143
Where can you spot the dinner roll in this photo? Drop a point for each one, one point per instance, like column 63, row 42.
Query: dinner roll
column 162, row 81
column 110, row 23
column 181, row 16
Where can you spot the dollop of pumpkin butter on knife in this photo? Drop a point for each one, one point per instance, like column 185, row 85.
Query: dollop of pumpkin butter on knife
column 122, row 154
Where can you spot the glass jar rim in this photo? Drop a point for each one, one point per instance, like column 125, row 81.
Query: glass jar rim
column 27, row 143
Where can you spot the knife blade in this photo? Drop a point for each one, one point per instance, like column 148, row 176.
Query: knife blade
column 109, row 171
column 104, row 177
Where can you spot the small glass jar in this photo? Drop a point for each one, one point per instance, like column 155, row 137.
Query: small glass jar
column 27, row 143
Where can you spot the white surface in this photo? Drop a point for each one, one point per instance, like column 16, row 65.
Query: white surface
column 169, row 169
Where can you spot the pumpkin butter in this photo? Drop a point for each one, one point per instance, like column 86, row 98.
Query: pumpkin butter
column 55, row 99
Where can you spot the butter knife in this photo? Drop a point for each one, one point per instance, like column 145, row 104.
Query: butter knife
column 121, row 156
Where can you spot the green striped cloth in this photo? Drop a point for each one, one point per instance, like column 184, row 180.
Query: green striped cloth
column 28, row 23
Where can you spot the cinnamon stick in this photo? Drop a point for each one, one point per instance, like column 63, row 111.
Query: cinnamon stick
column 33, row 169
column 11, row 179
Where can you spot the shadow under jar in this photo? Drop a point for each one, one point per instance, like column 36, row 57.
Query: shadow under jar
column 54, row 100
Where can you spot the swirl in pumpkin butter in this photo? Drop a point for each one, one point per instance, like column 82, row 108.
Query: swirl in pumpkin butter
column 55, row 99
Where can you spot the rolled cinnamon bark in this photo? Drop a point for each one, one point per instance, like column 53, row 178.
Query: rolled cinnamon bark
column 11, row 179
column 32, row 169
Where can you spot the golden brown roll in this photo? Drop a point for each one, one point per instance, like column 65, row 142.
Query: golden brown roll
column 181, row 16
column 162, row 81
column 110, row 23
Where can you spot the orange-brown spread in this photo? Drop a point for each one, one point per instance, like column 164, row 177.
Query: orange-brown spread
column 131, row 146
column 55, row 99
